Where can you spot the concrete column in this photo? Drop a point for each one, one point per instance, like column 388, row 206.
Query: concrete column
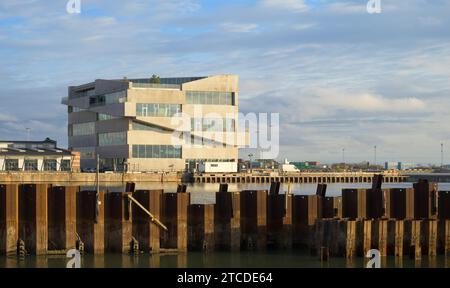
column 9, row 218
column 62, row 217
column 33, row 217
column 21, row 166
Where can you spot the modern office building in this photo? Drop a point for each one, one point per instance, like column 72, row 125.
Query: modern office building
column 34, row 156
column 163, row 124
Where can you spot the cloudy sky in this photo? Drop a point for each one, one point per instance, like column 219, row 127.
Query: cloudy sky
column 338, row 76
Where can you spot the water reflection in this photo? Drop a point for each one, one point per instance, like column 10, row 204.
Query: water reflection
column 281, row 259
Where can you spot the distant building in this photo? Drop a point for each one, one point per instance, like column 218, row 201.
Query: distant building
column 130, row 123
column 399, row 166
column 307, row 165
column 34, row 156
column 288, row 167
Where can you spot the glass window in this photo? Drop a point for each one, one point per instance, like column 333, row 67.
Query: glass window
column 12, row 164
column 135, row 151
column 83, row 129
column 30, row 165
column 65, row 165
column 157, row 110
column 139, row 109
column 209, row 98
column 111, row 139
column 50, row 165
column 156, row 151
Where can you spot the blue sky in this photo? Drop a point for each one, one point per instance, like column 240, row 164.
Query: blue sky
column 338, row 76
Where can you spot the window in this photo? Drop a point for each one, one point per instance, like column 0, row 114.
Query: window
column 65, row 165
column 104, row 117
column 12, row 164
column 209, row 98
column 141, row 127
column 157, row 110
column 50, row 165
column 82, row 129
column 213, row 124
column 116, row 97
column 111, row 139
column 86, row 152
column 30, row 165
column 156, row 151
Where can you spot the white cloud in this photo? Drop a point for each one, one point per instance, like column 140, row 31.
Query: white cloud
column 7, row 118
column 364, row 101
column 293, row 5
column 347, row 8
column 238, row 27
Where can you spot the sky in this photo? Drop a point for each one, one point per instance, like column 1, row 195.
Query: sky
column 339, row 77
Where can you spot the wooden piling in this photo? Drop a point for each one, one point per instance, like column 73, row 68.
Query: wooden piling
column 306, row 210
column 399, row 238
column 62, row 217
column 367, row 237
column 118, row 222
column 146, row 233
column 201, row 227
column 9, row 218
column 175, row 214
column 380, row 236
column 416, row 239
column 91, row 223
column 227, row 221
column 354, row 203
column 33, row 217
column 254, row 219
column 279, row 221
column 431, row 236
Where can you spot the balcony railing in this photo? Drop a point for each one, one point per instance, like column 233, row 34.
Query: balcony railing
column 156, row 85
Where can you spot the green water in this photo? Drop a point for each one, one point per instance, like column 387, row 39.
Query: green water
column 279, row 259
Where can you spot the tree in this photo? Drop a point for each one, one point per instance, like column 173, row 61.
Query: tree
column 155, row 79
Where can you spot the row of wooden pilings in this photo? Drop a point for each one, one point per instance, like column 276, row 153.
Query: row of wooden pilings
column 41, row 219
column 315, row 178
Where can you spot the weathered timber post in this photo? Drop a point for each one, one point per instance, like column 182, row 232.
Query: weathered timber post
column 118, row 222
column 90, row 225
column 254, row 219
column 146, row 233
column 9, row 218
column 201, row 227
column 33, row 218
column 62, row 217
column 227, row 221
column 175, row 217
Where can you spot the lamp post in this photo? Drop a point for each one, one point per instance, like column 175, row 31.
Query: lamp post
column 28, row 133
column 375, row 155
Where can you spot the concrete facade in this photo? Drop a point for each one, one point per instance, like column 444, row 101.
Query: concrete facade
column 139, row 125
